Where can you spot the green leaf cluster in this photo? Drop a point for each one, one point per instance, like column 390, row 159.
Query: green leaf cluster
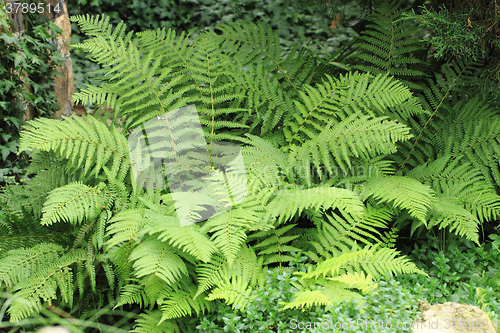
column 331, row 164
column 29, row 62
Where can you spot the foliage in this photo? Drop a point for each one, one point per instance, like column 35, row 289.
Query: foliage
column 122, row 242
column 389, row 45
column 461, row 272
column 28, row 58
column 295, row 24
column 474, row 25
column 466, row 30
column 333, row 161
column 447, row 104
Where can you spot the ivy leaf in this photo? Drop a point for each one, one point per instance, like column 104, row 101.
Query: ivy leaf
column 13, row 120
column 9, row 39
column 11, row 147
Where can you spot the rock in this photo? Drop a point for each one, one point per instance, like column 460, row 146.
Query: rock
column 53, row 329
column 453, row 318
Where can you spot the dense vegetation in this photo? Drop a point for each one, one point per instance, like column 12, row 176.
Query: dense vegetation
column 349, row 161
column 26, row 59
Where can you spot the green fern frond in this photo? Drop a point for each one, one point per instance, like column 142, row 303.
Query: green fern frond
column 228, row 230
column 126, row 226
column 354, row 136
column 403, row 192
column 22, row 231
column 356, row 280
column 235, row 292
column 103, row 95
column 35, row 193
column 74, row 202
column 266, row 101
column 123, row 266
column 149, row 322
column 352, row 94
column 175, row 51
column 42, row 285
column 275, row 244
column 152, row 256
column 155, row 288
column 145, row 88
column 18, row 265
column 452, row 178
column 133, row 294
column 289, row 203
column 372, row 95
column 327, row 293
column 436, row 99
column 308, row 299
column 98, row 26
column 389, row 238
column 372, row 259
column 388, row 45
column 247, row 42
column 188, row 239
column 479, row 143
column 295, row 71
column 208, row 67
column 80, row 140
column 449, row 212
column 180, row 303
column 338, row 233
column 245, row 266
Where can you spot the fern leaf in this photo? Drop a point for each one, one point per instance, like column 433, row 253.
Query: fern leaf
column 403, row 192
column 149, row 322
column 181, row 303
column 43, row 284
column 356, row 280
column 79, row 140
column 388, row 45
column 235, row 292
column 289, row 203
column 74, row 202
column 154, row 257
column 188, row 239
column 126, row 226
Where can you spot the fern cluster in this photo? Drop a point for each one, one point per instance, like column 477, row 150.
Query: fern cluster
column 329, row 167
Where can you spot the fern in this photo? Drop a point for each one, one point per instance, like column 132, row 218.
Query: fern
column 86, row 143
column 21, row 231
column 73, row 202
column 153, row 257
column 328, row 166
column 149, row 323
column 275, row 244
column 245, row 266
column 337, row 99
column 388, row 45
column 404, row 192
column 347, row 271
column 181, row 303
column 459, row 165
column 43, row 283
column 137, row 86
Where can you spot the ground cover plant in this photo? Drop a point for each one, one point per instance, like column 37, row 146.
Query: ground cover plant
column 461, row 273
column 339, row 166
